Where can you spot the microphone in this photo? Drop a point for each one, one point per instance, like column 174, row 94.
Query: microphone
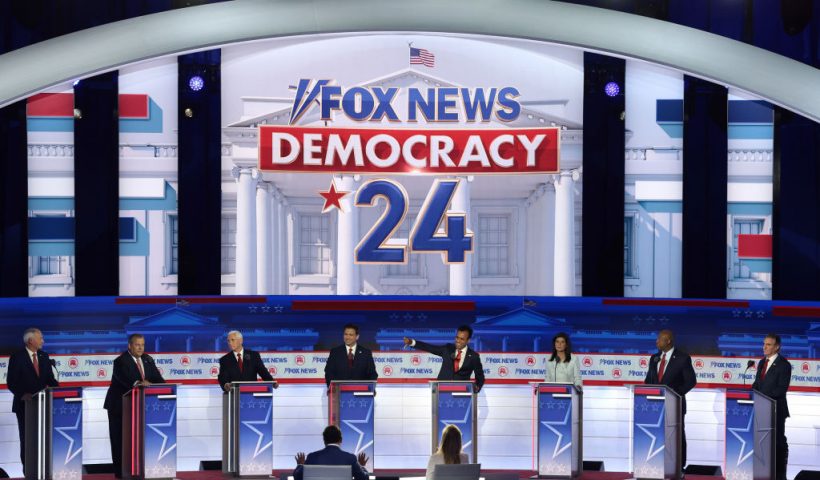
column 749, row 364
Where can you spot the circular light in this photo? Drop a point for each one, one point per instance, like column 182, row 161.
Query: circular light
column 196, row 83
column 612, row 89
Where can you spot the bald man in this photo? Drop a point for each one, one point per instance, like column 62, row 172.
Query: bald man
column 672, row 367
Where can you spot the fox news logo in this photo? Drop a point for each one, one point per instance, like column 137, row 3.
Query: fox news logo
column 374, row 104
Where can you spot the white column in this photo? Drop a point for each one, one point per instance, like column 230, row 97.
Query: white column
column 347, row 236
column 273, row 241
column 264, row 254
column 282, row 235
column 461, row 273
column 246, row 230
column 564, row 283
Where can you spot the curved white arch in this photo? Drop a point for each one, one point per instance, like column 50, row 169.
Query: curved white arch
column 782, row 81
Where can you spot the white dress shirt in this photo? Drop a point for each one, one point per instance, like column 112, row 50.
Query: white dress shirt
column 438, row 459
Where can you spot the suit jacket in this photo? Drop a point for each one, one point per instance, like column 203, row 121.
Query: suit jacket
column 333, row 455
column 471, row 363
column 336, row 368
column 252, row 366
column 125, row 375
column 678, row 373
column 776, row 383
column 22, row 379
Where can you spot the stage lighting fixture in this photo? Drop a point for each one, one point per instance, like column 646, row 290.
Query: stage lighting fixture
column 612, row 89
column 196, row 83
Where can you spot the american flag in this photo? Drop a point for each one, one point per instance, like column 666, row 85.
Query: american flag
column 420, row 56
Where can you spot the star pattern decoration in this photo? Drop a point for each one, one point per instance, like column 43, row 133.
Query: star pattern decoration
column 77, row 436
column 260, row 447
column 252, row 308
column 394, row 316
column 460, row 421
column 559, row 449
column 361, row 444
column 266, row 308
column 333, row 198
column 736, row 432
column 278, row 309
column 157, row 427
column 645, row 428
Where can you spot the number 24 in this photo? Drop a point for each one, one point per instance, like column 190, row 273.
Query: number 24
column 424, row 238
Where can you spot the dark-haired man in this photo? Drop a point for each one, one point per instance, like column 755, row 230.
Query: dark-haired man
column 332, row 454
column 773, row 376
column 350, row 361
column 133, row 367
column 459, row 361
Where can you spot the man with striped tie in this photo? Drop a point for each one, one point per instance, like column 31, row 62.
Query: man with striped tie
column 672, row 367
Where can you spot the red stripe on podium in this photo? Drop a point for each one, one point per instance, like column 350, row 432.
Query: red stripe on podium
column 452, row 388
column 553, row 389
column 253, row 388
column 647, row 391
column 65, row 394
column 354, row 388
column 159, row 391
column 739, row 395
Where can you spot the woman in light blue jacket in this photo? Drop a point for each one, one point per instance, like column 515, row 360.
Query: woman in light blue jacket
column 562, row 366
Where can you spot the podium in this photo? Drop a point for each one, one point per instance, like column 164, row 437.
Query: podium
column 149, row 432
column 54, row 434
column 351, row 408
column 454, row 403
column 559, row 434
column 247, row 429
column 750, row 435
column 656, row 432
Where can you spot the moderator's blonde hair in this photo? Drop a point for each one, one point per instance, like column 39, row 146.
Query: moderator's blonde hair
column 450, row 446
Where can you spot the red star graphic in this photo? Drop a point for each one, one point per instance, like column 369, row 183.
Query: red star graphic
column 332, row 198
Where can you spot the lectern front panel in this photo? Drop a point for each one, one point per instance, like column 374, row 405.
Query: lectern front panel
column 160, row 445
column 648, row 433
column 67, row 433
column 740, row 416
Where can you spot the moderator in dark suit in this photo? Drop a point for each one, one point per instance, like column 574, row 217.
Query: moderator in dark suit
column 774, row 384
column 333, row 455
column 338, row 367
column 471, row 363
column 252, row 366
column 125, row 376
column 23, row 380
column 678, row 374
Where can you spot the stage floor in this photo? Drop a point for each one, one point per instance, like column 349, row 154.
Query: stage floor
column 408, row 475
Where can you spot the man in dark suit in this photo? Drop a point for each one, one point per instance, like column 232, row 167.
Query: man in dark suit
column 241, row 364
column 672, row 367
column 134, row 367
column 773, row 376
column 332, row 454
column 350, row 361
column 459, row 360
column 29, row 371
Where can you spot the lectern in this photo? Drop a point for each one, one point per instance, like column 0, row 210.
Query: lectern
column 559, row 434
column 247, row 429
column 350, row 407
column 656, row 432
column 54, row 434
column 454, row 403
column 149, row 432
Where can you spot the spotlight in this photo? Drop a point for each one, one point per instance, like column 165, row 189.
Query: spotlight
column 612, row 89
column 196, row 83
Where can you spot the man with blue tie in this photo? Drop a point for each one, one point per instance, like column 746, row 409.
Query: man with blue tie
column 672, row 367
column 773, row 376
column 332, row 454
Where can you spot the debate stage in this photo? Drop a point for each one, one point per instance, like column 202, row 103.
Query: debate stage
column 409, row 475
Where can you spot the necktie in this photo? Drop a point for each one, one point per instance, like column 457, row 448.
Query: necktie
column 239, row 361
column 36, row 364
column 662, row 367
column 765, row 367
column 457, row 361
column 350, row 357
column 139, row 367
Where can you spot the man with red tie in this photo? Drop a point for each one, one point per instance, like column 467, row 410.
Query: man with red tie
column 29, row 372
column 132, row 368
column 773, row 376
column 350, row 361
column 459, row 360
column 672, row 367
column 240, row 364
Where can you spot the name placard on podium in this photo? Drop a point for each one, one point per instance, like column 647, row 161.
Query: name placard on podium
column 247, row 429
column 54, row 434
column 351, row 408
column 149, row 432
column 558, row 432
column 454, row 403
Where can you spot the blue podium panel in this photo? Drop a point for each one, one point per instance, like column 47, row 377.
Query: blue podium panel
column 656, row 444
column 558, row 430
column 255, row 423
column 454, row 403
column 161, row 431
column 66, row 432
column 740, row 414
column 351, row 409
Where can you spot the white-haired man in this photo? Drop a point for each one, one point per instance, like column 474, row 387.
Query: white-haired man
column 240, row 364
